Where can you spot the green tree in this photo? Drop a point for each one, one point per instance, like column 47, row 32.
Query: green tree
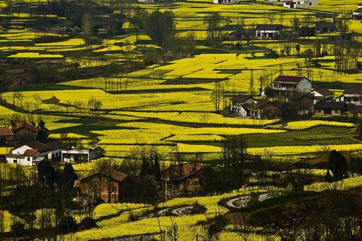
column 338, row 165
column 46, row 174
column 43, row 132
column 87, row 27
column 160, row 27
column 214, row 31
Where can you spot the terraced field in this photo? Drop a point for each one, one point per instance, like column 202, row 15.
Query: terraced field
column 169, row 106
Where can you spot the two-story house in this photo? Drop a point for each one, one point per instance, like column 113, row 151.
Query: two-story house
column 225, row 1
column 357, row 14
column 268, row 31
column 24, row 133
column 29, row 154
column 286, row 84
column 105, row 185
column 323, row 95
column 352, row 95
column 182, row 179
column 239, row 105
column 264, row 109
column 299, row 3
column 6, row 136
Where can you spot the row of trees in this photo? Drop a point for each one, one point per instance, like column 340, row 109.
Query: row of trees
column 333, row 215
column 160, row 26
column 48, row 190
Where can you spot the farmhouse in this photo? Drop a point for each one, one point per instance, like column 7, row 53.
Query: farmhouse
column 264, row 109
column 304, row 103
column 268, row 31
column 29, row 154
column 79, row 155
column 299, row 3
column 352, row 95
column 239, row 105
column 285, row 84
column 357, row 14
column 57, row 147
column 325, row 27
column 330, row 108
column 271, row 1
column 25, row 132
column 239, row 34
column 6, row 136
column 103, row 185
column 225, row 1
column 323, row 95
column 146, row 1
column 182, row 178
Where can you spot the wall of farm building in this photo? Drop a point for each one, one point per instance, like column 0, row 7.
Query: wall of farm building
column 304, row 86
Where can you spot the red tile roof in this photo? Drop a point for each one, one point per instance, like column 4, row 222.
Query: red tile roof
column 41, row 147
column 324, row 91
column 269, row 27
column 353, row 90
column 289, row 79
column 30, row 152
column 179, row 172
column 241, row 98
column 27, row 126
column 5, row 131
column 116, row 175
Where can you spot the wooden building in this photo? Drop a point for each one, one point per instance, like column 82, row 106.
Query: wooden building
column 6, row 136
column 24, row 133
column 104, row 185
column 183, row 179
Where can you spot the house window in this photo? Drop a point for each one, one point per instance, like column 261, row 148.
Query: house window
column 28, row 159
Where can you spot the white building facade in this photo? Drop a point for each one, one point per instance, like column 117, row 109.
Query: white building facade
column 299, row 3
column 226, row 1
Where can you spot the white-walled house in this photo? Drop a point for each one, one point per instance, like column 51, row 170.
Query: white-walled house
column 30, row 157
column 32, row 153
column 146, row 1
column 357, row 14
column 29, row 154
column 352, row 95
column 79, row 155
column 239, row 105
column 288, row 83
column 268, row 31
column 323, row 95
column 299, row 3
column 225, row 1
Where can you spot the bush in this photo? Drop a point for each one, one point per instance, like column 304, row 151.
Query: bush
column 272, row 54
column 95, row 41
column 197, row 209
column 87, row 223
column 132, row 217
column 18, row 228
column 218, row 225
column 68, row 224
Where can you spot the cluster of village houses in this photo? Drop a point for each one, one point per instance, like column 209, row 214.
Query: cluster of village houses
column 286, row 3
column 298, row 90
column 275, row 31
column 177, row 180
column 31, row 151
column 180, row 179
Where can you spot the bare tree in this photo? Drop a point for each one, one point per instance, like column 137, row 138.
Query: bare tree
column 87, row 27
column 217, row 94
